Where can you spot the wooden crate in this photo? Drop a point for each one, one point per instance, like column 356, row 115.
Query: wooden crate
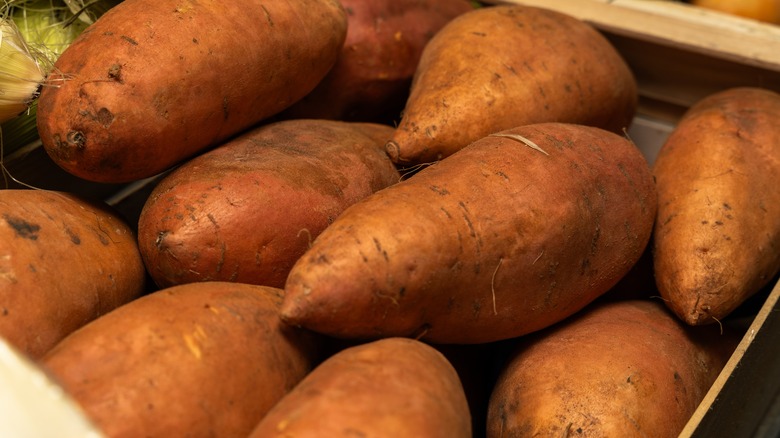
column 679, row 54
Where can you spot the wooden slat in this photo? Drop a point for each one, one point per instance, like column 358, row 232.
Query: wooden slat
column 680, row 25
column 738, row 402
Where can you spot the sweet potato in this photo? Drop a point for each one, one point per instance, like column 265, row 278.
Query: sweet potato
column 153, row 82
column 620, row 369
column 372, row 75
column 499, row 67
column 717, row 235
column 285, row 182
column 64, row 261
column 204, row 359
column 392, row 387
column 513, row 233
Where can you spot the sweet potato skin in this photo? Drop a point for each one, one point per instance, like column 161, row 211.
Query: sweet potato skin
column 64, row 261
column 202, row 359
column 391, row 387
column 285, row 182
column 717, row 235
column 623, row 368
column 493, row 242
column 371, row 78
column 511, row 65
column 153, row 82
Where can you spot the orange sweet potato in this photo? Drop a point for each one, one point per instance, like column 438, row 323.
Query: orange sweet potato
column 620, row 369
column 371, row 78
column 499, row 67
column 203, row 359
column 247, row 210
column 64, row 261
column 153, row 82
column 717, row 235
column 392, row 387
column 511, row 234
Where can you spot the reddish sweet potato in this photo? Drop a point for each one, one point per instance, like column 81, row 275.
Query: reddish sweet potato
column 203, row 359
column 153, row 82
column 508, row 235
column 371, row 78
column 621, row 369
column 64, row 261
column 499, row 67
column 717, row 235
column 390, row 388
column 247, row 210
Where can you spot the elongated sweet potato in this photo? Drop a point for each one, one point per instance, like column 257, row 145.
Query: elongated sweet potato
column 391, row 387
column 153, row 82
column 717, row 235
column 203, row 359
column 247, row 210
column 371, row 78
column 513, row 233
column 499, row 67
column 64, row 261
column 620, row 369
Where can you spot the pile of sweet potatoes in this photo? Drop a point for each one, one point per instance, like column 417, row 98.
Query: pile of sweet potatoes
column 382, row 218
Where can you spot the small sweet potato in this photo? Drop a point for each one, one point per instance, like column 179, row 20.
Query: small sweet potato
column 64, row 261
column 515, row 232
column 495, row 68
column 372, row 75
column 199, row 360
column 392, row 387
column 153, row 82
column 247, row 210
column 717, row 234
column 619, row 369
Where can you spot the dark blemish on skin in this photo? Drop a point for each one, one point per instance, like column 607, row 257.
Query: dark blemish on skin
column 268, row 16
column 479, row 34
column 439, row 190
column 115, row 72
column 450, row 303
column 225, row 112
column 195, row 40
column 718, row 223
column 726, row 206
column 77, row 139
column 160, row 238
column 320, row 258
column 379, row 248
column 402, row 291
column 5, row 311
column 705, row 222
column 22, row 228
column 73, row 236
column 129, row 40
column 104, row 117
